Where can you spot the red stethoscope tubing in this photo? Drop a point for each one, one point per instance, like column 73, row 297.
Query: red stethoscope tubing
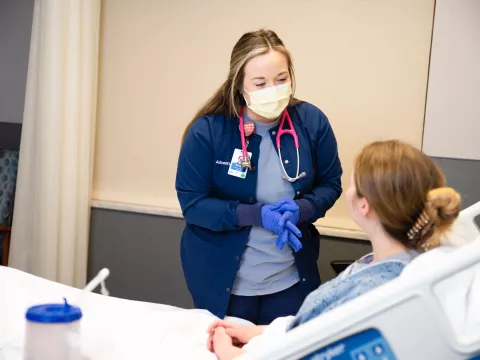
column 242, row 134
column 281, row 131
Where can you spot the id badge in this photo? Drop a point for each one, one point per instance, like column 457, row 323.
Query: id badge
column 235, row 168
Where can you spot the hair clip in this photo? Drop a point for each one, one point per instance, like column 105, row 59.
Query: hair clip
column 422, row 220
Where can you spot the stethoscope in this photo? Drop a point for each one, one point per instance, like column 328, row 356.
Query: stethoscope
column 246, row 129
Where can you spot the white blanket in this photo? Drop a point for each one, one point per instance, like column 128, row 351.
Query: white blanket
column 111, row 328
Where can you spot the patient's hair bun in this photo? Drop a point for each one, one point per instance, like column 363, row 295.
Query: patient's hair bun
column 443, row 206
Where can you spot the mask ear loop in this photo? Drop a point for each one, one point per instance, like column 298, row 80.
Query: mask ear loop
column 244, row 98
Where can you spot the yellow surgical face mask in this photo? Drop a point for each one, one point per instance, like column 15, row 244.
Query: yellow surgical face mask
column 271, row 101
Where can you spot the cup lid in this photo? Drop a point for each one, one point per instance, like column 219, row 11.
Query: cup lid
column 54, row 313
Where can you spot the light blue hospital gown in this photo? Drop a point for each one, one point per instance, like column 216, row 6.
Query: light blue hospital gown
column 359, row 278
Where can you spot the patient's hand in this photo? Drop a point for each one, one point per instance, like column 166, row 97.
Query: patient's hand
column 240, row 334
column 223, row 345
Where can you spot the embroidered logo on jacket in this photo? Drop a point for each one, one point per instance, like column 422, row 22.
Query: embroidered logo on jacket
column 226, row 163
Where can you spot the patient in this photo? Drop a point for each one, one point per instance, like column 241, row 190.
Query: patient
column 397, row 195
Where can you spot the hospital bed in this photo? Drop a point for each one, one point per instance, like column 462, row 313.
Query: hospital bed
column 426, row 313
column 432, row 311
column 111, row 328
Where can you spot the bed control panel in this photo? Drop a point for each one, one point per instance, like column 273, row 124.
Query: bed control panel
column 366, row 345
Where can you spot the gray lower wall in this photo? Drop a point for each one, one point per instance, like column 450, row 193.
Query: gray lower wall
column 143, row 251
column 143, row 254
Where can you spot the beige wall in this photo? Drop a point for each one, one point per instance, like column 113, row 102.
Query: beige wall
column 452, row 119
column 364, row 63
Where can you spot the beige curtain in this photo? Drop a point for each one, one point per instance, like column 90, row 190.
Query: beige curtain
column 52, row 204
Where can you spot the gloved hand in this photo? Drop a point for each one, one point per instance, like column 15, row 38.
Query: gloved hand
column 290, row 207
column 280, row 218
column 288, row 236
column 276, row 220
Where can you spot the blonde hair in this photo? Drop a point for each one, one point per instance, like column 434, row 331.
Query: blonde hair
column 227, row 100
column 407, row 191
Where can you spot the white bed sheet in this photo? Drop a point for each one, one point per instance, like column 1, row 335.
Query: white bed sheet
column 111, row 328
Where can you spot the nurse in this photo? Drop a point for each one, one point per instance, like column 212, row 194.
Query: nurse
column 250, row 196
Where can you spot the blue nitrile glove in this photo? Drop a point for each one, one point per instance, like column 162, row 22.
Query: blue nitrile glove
column 291, row 213
column 290, row 207
column 288, row 236
column 276, row 222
